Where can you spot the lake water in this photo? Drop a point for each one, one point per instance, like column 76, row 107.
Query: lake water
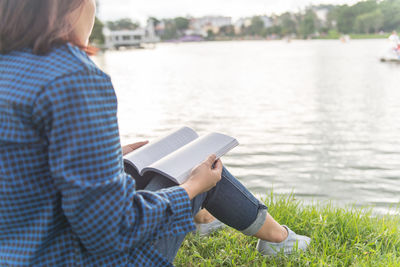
column 317, row 118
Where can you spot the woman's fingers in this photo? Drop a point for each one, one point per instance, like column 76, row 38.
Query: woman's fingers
column 218, row 166
column 214, row 163
column 210, row 160
column 129, row 148
column 137, row 145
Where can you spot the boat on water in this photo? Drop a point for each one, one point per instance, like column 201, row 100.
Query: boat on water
column 393, row 53
column 394, row 60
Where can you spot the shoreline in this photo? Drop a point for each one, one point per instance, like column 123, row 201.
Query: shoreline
column 257, row 38
column 328, row 38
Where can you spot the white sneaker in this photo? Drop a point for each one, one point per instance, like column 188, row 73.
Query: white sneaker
column 291, row 243
column 204, row 229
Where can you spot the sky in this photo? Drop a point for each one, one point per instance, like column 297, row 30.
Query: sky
column 140, row 10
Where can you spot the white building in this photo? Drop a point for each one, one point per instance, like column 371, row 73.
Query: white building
column 116, row 39
column 246, row 22
column 213, row 21
column 267, row 21
column 241, row 23
column 197, row 32
column 322, row 14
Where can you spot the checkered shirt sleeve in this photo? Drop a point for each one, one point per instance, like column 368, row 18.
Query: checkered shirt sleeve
column 77, row 113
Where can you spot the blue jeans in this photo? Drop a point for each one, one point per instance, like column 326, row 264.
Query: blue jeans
column 229, row 201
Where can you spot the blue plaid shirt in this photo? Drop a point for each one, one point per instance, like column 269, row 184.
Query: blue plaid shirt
column 65, row 199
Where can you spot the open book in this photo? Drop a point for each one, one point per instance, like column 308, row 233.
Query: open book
column 176, row 154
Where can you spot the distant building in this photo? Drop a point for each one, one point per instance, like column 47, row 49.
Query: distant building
column 191, row 32
column 210, row 22
column 243, row 22
column 322, row 14
column 116, row 39
column 240, row 24
column 160, row 28
column 267, row 21
column 246, row 22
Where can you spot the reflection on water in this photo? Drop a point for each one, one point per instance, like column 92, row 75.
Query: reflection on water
column 319, row 118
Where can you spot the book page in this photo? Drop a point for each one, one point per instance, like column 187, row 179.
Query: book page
column 158, row 149
column 178, row 165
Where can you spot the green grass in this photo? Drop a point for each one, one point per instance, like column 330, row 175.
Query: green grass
column 334, row 35
column 341, row 237
column 369, row 36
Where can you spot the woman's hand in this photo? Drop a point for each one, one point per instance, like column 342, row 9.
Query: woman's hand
column 129, row 148
column 203, row 177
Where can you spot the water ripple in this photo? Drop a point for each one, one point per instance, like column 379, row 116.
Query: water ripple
column 317, row 118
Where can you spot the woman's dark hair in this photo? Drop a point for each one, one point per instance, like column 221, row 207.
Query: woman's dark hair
column 36, row 24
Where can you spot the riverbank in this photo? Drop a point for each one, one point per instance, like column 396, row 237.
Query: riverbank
column 353, row 36
column 341, row 237
column 330, row 36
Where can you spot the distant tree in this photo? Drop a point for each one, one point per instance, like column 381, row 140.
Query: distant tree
column 391, row 18
column 346, row 16
column 287, row 23
column 97, row 35
column 275, row 29
column 123, row 24
column 181, row 23
column 210, row 35
column 155, row 20
column 308, row 23
column 170, row 31
column 174, row 28
column 256, row 27
column 364, row 7
column 371, row 22
column 228, row 30
column 345, row 19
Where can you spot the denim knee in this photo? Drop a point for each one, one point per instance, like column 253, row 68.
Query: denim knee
column 258, row 223
column 234, row 205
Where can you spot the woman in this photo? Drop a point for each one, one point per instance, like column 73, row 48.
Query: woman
column 65, row 199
